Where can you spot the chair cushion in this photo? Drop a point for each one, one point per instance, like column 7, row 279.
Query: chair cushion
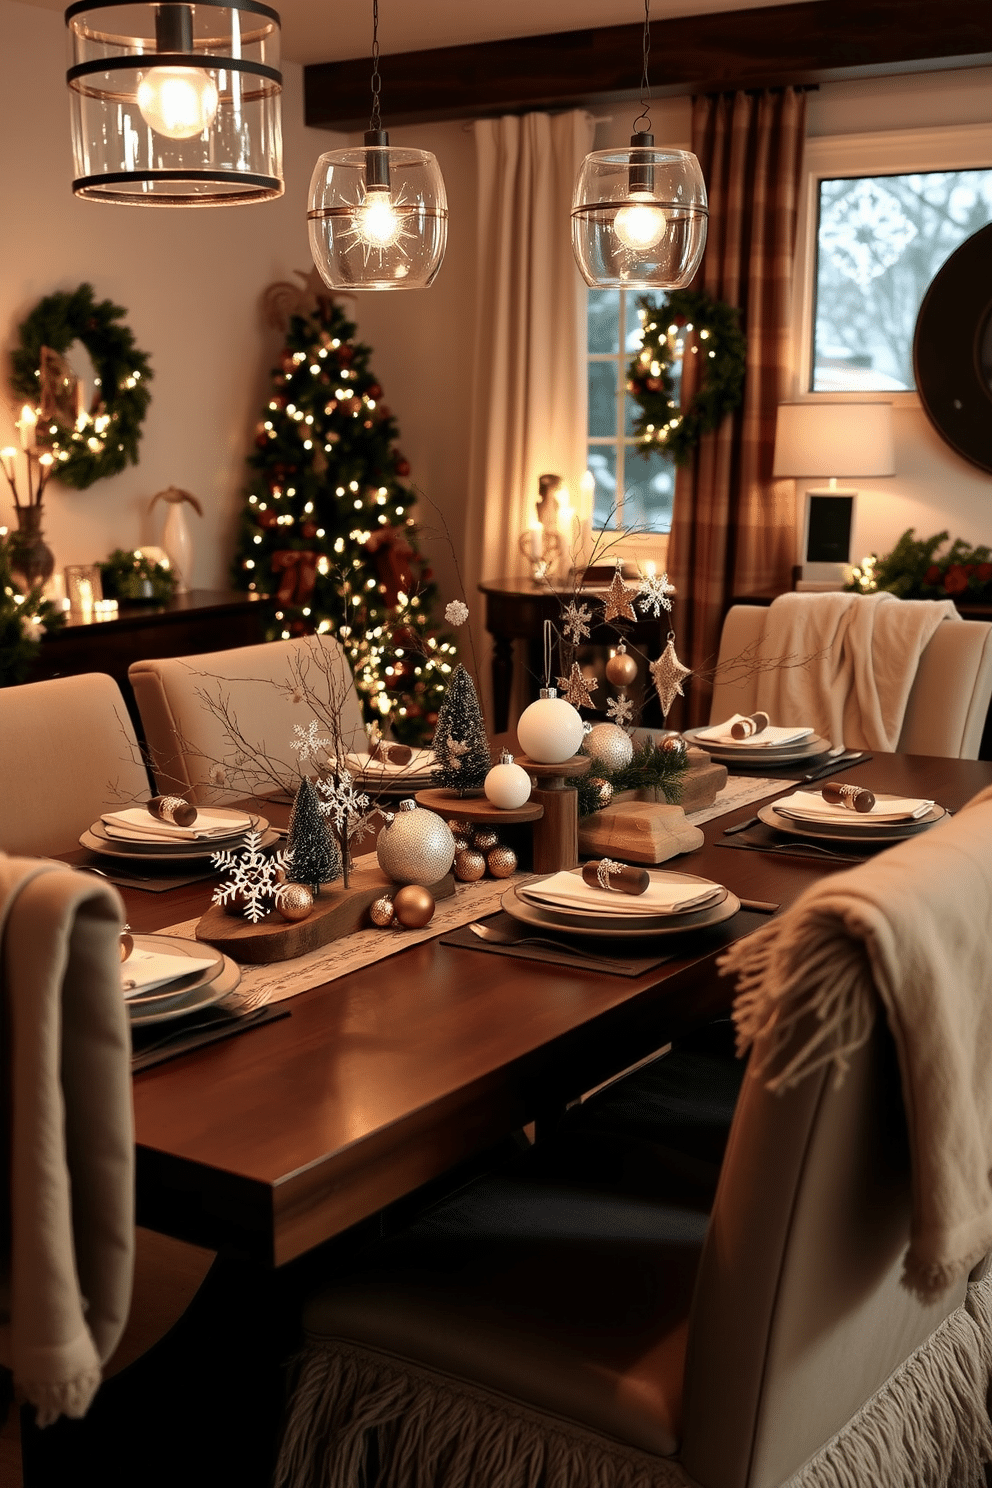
column 572, row 1301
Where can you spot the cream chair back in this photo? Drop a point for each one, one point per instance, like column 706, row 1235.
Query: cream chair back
column 67, row 752
column 199, row 713
column 947, row 706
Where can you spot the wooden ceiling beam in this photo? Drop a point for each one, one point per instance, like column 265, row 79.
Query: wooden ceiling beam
column 773, row 45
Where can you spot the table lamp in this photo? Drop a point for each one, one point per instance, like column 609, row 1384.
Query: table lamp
column 833, row 440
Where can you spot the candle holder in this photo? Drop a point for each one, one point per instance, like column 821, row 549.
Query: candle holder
column 84, row 590
column 32, row 561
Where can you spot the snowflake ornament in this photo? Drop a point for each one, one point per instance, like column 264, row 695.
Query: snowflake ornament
column 576, row 619
column 456, row 613
column 653, row 594
column 668, row 674
column 309, row 742
column 254, row 876
column 577, row 689
column 341, row 801
column 620, row 710
column 618, row 601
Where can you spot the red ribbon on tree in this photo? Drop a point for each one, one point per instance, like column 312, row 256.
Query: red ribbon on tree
column 299, row 574
column 392, row 555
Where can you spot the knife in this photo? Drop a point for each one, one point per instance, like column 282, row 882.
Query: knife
column 844, row 762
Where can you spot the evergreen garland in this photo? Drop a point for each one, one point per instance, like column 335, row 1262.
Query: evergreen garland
column 109, row 438
column 124, row 574
column 23, row 619
column 723, row 348
column 314, row 858
column 461, row 748
column 650, row 768
column 913, row 570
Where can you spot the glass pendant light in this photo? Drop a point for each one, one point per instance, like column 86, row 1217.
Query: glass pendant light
column 378, row 214
column 173, row 104
column 639, row 215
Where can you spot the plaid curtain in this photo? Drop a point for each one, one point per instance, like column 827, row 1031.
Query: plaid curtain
column 733, row 527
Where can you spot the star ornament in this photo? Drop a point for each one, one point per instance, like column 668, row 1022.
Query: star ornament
column 618, row 601
column 577, row 689
column 668, row 674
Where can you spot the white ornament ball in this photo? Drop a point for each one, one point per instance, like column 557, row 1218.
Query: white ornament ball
column 608, row 743
column 507, row 785
column 550, row 730
column 417, row 846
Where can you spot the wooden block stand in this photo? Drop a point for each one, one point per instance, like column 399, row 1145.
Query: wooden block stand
column 556, row 834
column 338, row 911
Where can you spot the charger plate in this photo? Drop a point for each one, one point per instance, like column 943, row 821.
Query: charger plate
column 529, row 914
column 185, row 852
column 774, row 753
column 574, row 914
column 192, row 1001
column 173, row 945
column 856, row 832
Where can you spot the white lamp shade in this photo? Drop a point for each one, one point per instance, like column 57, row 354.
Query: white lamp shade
column 834, row 439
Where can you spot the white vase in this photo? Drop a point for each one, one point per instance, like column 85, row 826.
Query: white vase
column 178, row 544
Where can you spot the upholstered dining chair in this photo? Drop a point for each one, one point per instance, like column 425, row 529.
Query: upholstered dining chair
column 528, row 1330
column 67, row 752
column 196, row 710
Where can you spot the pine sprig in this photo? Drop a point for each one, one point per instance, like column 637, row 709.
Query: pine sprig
column 24, row 618
column 650, row 768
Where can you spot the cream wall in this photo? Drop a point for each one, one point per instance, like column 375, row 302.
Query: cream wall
column 190, row 281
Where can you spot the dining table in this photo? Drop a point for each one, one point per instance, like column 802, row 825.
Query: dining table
column 266, row 1145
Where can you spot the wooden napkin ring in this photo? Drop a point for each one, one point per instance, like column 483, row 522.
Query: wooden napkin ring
column 172, row 809
column 617, row 877
column 744, row 728
column 854, row 797
column 391, row 754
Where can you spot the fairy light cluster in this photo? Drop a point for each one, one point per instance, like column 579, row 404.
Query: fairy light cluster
column 326, row 529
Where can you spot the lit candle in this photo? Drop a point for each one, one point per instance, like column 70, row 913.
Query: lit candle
column 8, row 456
column 28, row 426
column 86, row 599
column 650, row 568
column 587, row 485
column 80, row 403
column 536, row 541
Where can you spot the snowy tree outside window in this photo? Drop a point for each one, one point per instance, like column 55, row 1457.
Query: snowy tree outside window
column 880, row 241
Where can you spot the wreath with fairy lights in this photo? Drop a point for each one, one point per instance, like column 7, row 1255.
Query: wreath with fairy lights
column 92, row 443
column 719, row 341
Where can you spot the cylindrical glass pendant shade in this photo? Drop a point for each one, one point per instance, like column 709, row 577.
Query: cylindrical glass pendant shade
column 639, row 217
column 175, row 105
column 378, row 216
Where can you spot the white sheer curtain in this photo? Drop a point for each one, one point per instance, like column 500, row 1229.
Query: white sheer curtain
column 529, row 399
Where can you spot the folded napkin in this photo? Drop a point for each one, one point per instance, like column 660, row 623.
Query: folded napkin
column 145, row 970
column 810, row 806
column 720, row 733
column 137, row 825
column 421, row 763
column 662, row 896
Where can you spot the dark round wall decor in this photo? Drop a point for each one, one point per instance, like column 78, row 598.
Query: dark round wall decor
column 952, row 350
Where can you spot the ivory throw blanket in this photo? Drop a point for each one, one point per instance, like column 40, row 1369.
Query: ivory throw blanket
column 864, row 650
column 909, row 930
column 70, row 1246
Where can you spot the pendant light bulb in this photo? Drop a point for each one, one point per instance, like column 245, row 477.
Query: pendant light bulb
column 377, row 222
column 178, row 102
column 642, row 224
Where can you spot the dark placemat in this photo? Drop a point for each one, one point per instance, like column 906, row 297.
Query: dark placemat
column 154, row 1045
column 150, row 877
column 817, row 768
column 761, row 838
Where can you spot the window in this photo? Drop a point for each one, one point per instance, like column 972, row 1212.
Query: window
column 880, row 241
column 630, row 491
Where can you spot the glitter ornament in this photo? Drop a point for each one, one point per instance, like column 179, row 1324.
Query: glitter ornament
column 610, row 746
column 294, row 902
column 381, row 912
column 461, row 844
column 618, row 601
column 621, row 669
column 507, row 784
column 577, row 688
column 416, row 846
column 603, row 789
column 501, row 862
column 469, row 866
column 620, row 710
column 653, row 595
column 575, row 621
column 668, row 674
column 550, row 730
column 674, row 744
column 413, row 906
column 461, row 829
column 484, row 838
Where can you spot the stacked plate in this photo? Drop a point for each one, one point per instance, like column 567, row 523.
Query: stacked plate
column 773, row 746
column 136, row 834
column 891, row 819
column 166, row 978
column 672, row 902
column 383, row 777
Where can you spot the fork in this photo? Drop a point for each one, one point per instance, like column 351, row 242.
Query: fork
column 499, row 937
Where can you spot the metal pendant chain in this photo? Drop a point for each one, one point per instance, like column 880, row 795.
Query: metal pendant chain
column 645, row 113
column 375, row 122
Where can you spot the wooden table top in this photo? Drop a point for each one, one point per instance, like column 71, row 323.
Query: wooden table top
column 274, row 1141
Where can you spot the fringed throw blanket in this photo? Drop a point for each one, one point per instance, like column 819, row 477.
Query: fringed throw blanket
column 70, row 1247
column 911, row 930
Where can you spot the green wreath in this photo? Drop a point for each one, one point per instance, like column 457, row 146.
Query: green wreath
column 721, row 343
column 108, row 437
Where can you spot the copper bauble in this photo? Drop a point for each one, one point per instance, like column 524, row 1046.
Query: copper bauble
column 416, row 847
column 501, row 862
column 621, row 669
column 462, row 844
column 294, row 902
column 469, row 866
column 673, row 744
column 126, row 944
column 603, row 789
column 461, row 829
column 413, row 906
column 381, row 912
column 483, row 838
column 235, row 906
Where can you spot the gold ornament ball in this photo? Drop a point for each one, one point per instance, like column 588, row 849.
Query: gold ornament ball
column 294, row 902
column 603, row 789
column 461, row 829
column 469, row 866
column 621, row 669
column 126, row 944
column 674, row 744
column 483, row 838
column 381, row 912
column 413, row 906
column 501, row 862
column 416, row 847
column 280, row 875
column 462, row 844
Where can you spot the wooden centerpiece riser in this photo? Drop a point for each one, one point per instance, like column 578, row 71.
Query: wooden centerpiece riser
column 556, row 834
column 336, row 912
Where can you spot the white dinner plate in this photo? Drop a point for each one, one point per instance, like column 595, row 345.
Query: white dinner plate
column 576, row 914
column 858, row 831
column 171, row 853
column 772, row 754
column 172, row 945
column 542, row 919
column 192, row 1001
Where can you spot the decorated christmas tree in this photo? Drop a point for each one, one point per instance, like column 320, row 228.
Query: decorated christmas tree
column 314, row 858
column 460, row 744
column 327, row 530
